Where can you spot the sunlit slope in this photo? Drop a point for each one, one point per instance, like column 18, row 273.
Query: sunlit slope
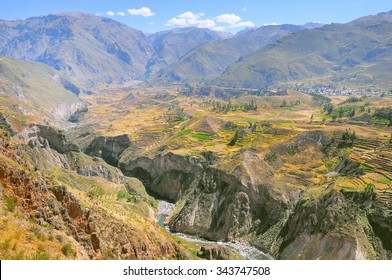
column 91, row 49
column 35, row 91
column 213, row 57
column 357, row 53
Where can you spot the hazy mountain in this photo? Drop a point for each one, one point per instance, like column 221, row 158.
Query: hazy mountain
column 170, row 45
column 88, row 48
column 213, row 57
column 356, row 53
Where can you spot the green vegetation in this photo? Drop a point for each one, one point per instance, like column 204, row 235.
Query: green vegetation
column 10, row 203
column 201, row 136
column 328, row 108
column 348, row 138
column 369, row 188
column 292, row 150
column 270, row 157
column 96, row 191
column 341, row 112
column 319, row 99
column 67, row 250
column 41, row 255
column 352, row 99
column 238, row 135
column 384, row 181
column 124, row 195
column 185, row 132
column 384, row 114
column 366, row 168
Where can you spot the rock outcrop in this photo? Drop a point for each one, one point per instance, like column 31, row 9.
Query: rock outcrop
column 109, row 148
column 215, row 252
column 210, row 202
column 38, row 136
column 93, row 166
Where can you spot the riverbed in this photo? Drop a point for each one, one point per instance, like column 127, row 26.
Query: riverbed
column 243, row 248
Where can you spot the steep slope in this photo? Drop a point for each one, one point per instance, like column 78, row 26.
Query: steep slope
column 170, row 45
column 32, row 91
column 357, row 53
column 213, row 57
column 63, row 206
column 88, row 48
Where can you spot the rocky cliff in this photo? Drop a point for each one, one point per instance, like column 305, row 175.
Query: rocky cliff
column 73, row 213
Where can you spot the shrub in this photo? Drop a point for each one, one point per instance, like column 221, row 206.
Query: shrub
column 123, row 195
column 10, row 203
column 292, row 150
column 271, row 156
column 67, row 250
column 370, row 188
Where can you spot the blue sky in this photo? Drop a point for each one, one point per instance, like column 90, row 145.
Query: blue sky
column 228, row 15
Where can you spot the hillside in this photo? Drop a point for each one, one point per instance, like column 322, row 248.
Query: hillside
column 170, row 45
column 213, row 57
column 358, row 53
column 90, row 49
column 35, row 92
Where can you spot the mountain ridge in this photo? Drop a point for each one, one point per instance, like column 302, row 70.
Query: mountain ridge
column 355, row 53
column 212, row 58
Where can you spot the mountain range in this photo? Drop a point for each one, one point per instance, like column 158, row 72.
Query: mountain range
column 88, row 48
column 357, row 53
column 213, row 57
column 94, row 51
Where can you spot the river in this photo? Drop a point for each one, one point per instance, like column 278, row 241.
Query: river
column 243, row 248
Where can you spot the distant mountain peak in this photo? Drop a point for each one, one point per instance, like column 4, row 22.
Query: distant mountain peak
column 90, row 49
column 313, row 24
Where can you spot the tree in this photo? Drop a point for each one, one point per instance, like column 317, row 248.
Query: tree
column 349, row 137
column 239, row 134
column 328, row 107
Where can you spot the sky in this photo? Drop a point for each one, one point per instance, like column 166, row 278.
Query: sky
column 223, row 15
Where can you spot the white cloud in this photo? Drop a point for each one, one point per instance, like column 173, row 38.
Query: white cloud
column 245, row 9
column 189, row 15
column 233, row 21
column 228, row 18
column 110, row 13
column 143, row 11
column 206, row 23
column 191, row 19
column 121, row 14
